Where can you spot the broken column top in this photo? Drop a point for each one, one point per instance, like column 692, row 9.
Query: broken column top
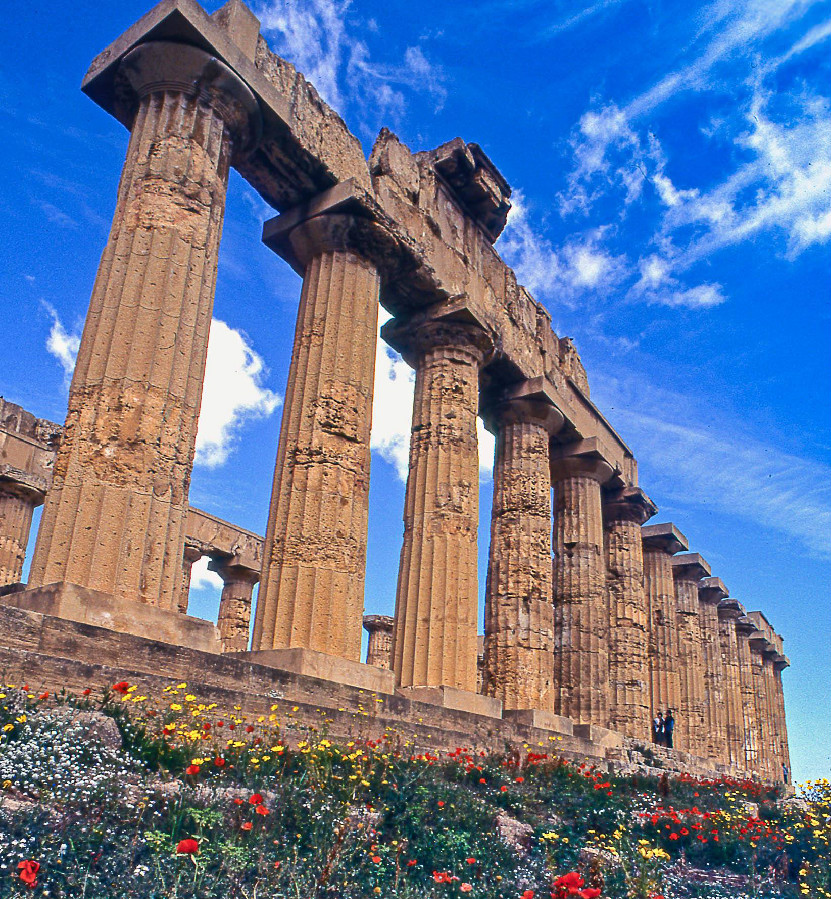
column 712, row 589
column 745, row 626
column 378, row 623
column 475, row 182
column 730, row 608
column 691, row 566
column 664, row 536
column 630, row 504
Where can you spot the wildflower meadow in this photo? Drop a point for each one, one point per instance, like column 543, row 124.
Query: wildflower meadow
column 123, row 793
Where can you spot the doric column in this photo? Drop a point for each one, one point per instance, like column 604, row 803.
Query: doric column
column 779, row 664
column 519, row 616
column 687, row 571
column 777, row 758
column 625, row 510
column 745, row 628
column 660, row 543
column 312, row 592
column 581, row 623
column 114, row 519
column 20, row 495
column 234, row 616
column 190, row 556
column 729, row 611
column 711, row 591
column 434, row 642
column 765, row 736
column 379, row 645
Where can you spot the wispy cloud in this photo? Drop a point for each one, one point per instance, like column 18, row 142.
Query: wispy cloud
column 706, row 461
column 320, row 40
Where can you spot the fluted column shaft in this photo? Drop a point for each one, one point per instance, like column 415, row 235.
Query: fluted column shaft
column 17, row 505
column 519, row 616
column 783, row 723
column 234, row 617
column 114, row 519
column 764, row 728
column 733, row 702
column 312, row 592
column 629, row 681
column 714, row 745
column 664, row 660
column 772, row 705
column 434, row 640
column 750, row 719
column 581, row 626
column 190, row 556
column 690, row 734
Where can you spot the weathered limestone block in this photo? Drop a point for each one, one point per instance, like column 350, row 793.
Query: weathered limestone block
column 625, row 510
column 379, row 645
column 729, row 611
column 660, row 543
column 777, row 755
column 234, row 617
column 312, row 592
column 434, row 642
column 115, row 518
column 519, row 616
column 190, row 555
column 745, row 628
column 581, row 625
column 687, row 571
column 20, row 495
column 711, row 591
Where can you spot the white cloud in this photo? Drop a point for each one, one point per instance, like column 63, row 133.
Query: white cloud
column 62, row 344
column 233, row 393
column 203, row 579
column 392, row 412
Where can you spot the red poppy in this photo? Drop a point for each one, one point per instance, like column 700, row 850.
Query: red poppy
column 411, row 862
column 247, row 825
column 261, row 810
column 471, row 861
column 441, row 803
column 528, row 894
column 220, row 763
column 376, row 859
column 192, row 769
column 465, row 887
column 86, row 692
column 238, row 801
column 520, row 780
column 256, row 799
column 503, row 789
column 482, row 780
column 29, row 872
column 249, row 729
column 121, row 687
column 44, row 695
column 188, row 847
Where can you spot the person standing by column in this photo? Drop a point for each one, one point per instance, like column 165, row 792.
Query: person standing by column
column 669, row 728
column 658, row 728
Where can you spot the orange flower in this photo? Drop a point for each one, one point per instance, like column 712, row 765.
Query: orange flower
column 192, row 769
column 261, row 810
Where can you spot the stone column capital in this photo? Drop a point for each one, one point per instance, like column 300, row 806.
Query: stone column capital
column 664, row 537
column 730, row 609
column 529, row 401
column 712, row 590
column 373, row 623
column 229, row 570
column 25, row 486
column 628, row 504
column 780, row 663
column 584, row 458
column 690, row 567
column 415, row 339
column 157, row 66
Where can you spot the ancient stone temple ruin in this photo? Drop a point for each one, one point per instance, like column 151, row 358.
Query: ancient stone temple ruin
column 594, row 619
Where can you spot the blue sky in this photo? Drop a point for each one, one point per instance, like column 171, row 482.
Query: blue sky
column 671, row 164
